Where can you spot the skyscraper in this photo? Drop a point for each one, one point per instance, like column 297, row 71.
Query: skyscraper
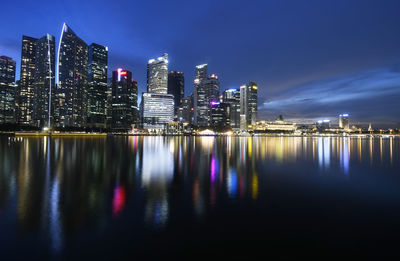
column 199, row 96
column 344, row 121
column 248, row 105
column 157, row 75
column 232, row 97
column 44, row 81
column 219, row 114
column 176, row 87
column 187, row 109
column 7, row 89
column 72, row 79
column 97, row 93
column 124, row 100
column 25, row 93
column 205, row 91
column 201, row 73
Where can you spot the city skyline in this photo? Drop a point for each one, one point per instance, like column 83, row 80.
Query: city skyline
column 372, row 64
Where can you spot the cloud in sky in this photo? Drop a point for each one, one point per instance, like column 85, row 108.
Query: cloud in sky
column 364, row 95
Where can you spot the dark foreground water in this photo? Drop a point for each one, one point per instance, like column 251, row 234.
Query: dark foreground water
column 203, row 197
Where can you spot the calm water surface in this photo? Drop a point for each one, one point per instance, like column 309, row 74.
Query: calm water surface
column 152, row 197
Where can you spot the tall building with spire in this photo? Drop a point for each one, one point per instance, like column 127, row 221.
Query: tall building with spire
column 25, row 92
column 157, row 75
column 97, row 92
column 72, row 73
column 44, row 81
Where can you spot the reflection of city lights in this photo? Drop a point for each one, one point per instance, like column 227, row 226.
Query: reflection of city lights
column 232, row 183
column 118, row 201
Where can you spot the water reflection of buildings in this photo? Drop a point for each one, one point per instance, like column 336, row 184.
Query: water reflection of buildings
column 58, row 186
column 157, row 173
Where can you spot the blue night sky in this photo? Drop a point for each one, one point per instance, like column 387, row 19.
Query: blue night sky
column 311, row 59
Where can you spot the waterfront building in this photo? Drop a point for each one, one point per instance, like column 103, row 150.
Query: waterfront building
column 124, row 110
column 7, row 90
column 219, row 114
column 323, row 125
column 275, row 126
column 232, row 97
column 25, row 93
column 44, row 81
column 187, row 109
column 72, row 73
column 201, row 73
column 206, row 90
column 97, row 81
column 344, row 121
column 157, row 75
column 157, row 110
column 248, row 105
column 176, row 87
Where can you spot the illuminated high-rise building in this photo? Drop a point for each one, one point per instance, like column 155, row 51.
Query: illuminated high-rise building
column 72, row 79
column 157, row 110
column 97, row 81
column 25, row 93
column 232, row 97
column 157, row 75
column 44, row 81
column 248, row 105
column 7, row 89
column 344, row 121
column 124, row 109
column 201, row 73
column 187, row 109
column 219, row 114
column 206, row 90
column 176, row 87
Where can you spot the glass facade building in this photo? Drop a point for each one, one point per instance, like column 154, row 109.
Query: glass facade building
column 25, row 92
column 44, row 81
column 176, row 87
column 124, row 110
column 72, row 79
column 205, row 91
column 232, row 97
column 97, row 81
column 7, row 90
column 157, row 75
column 248, row 105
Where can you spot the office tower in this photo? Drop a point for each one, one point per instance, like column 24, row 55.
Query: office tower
column 25, row 93
column 157, row 110
column 187, row 109
column 7, row 89
column 232, row 97
column 219, row 114
column 206, row 90
column 72, row 79
column 323, row 125
column 44, row 81
column 344, row 121
column 248, row 105
column 201, row 73
column 157, row 75
column 97, row 80
column 176, row 87
column 124, row 100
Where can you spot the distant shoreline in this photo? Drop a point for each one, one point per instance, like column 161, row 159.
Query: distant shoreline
column 84, row 134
